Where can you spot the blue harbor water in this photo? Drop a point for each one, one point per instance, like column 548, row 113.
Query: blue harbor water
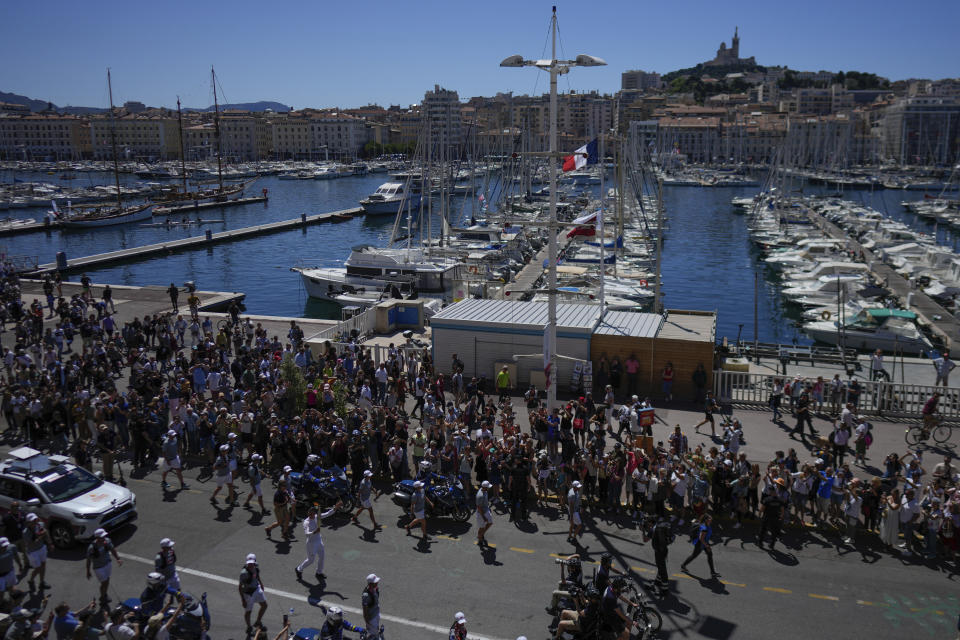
column 709, row 262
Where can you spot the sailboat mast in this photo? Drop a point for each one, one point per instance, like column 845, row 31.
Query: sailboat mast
column 216, row 127
column 113, row 141
column 183, row 162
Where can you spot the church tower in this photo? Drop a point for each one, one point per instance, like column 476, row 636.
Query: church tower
column 735, row 44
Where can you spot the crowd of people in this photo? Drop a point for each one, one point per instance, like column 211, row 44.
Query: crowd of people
column 246, row 406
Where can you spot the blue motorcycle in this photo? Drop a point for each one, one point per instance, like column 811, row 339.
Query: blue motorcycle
column 324, row 488
column 446, row 494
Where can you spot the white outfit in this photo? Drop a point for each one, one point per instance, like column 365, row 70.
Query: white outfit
column 315, row 551
column 253, row 598
column 37, row 557
column 103, row 573
column 170, row 464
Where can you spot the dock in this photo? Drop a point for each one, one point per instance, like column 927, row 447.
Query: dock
column 194, row 242
column 43, row 225
column 196, row 205
column 533, row 270
column 929, row 312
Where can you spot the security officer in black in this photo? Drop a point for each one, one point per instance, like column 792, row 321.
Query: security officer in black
column 661, row 535
column 519, row 483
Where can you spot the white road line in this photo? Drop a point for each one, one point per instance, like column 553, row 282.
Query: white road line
column 445, row 631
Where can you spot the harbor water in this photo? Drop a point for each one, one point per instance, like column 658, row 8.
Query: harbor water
column 709, row 262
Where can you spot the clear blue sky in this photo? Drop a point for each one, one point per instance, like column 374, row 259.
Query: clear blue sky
column 342, row 53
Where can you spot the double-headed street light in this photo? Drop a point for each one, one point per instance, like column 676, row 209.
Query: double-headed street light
column 556, row 68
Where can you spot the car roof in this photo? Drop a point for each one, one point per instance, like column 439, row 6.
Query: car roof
column 26, row 461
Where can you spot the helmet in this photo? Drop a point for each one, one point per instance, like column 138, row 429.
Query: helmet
column 573, row 566
column 618, row 583
column 425, row 465
column 312, row 459
column 334, row 616
column 606, row 560
column 154, row 578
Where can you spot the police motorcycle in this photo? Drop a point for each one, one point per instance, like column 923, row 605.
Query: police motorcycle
column 192, row 623
column 446, row 494
column 322, row 487
column 333, row 628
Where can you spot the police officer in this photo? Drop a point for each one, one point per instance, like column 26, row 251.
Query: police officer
column 252, row 591
column 484, row 517
column 170, row 448
column 370, row 599
column 37, row 541
column 334, row 625
column 772, row 507
column 221, row 469
column 418, row 502
column 154, row 597
column 255, row 474
column 165, row 563
column 519, row 483
column 98, row 559
column 364, row 493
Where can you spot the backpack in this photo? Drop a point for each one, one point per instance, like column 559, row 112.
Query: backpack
column 694, row 532
column 868, row 439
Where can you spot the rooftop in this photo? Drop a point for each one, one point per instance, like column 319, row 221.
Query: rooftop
column 582, row 317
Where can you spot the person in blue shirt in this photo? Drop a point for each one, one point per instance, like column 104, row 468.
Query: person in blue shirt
column 65, row 622
column 701, row 544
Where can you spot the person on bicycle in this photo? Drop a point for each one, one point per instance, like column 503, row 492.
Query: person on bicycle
column 335, row 623
column 929, row 413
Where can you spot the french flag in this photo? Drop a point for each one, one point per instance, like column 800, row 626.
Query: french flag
column 587, row 154
column 586, row 224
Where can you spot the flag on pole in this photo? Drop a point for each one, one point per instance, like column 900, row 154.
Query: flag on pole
column 586, row 223
column 587, row 154
column 56, row 211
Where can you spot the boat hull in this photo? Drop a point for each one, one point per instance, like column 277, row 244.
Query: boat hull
column 388, row 207
column 138, row 215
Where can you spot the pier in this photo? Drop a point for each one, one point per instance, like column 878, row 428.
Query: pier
column 930, row 313
column 42, row 225
column 532, row 271
column 200, row 206
column 193, row 242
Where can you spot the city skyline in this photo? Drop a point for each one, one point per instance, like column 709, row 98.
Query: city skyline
column 313, row 56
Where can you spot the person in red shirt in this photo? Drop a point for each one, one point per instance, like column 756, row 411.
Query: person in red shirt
column 632, row 366
column 668, row 382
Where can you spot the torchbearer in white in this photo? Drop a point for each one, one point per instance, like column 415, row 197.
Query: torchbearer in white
column 311, row 529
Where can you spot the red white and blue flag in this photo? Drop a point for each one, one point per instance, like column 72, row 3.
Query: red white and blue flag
column 587, row 154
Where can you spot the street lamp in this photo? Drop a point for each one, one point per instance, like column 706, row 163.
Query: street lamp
column 556, row 68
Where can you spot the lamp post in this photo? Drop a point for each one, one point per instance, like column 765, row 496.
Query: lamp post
column 555, row 68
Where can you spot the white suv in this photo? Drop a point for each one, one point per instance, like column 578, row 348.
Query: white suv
column 73, row 502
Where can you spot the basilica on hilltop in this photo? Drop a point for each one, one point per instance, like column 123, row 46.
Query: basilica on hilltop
column 730, row 57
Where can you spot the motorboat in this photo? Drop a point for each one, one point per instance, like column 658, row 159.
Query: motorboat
column 376, row 269
column 887, row 329
column 389, row 198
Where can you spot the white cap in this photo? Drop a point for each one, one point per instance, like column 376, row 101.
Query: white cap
column 486, row 484
column 256, row 456
column 373, row 579
column 172, row 433
column 367, row 473
column 231, row 435
column 417, row 485
column 460, row 618
column 287, row 469
column 251, row 557
column 31, row 517
column 100, row 533
column 167, row 542
column 576, row 484
column 4, row 542
column 224, row 447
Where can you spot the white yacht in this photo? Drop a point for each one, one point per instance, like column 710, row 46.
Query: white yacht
column 389, row 198
column 368, row 268
column 886, row 329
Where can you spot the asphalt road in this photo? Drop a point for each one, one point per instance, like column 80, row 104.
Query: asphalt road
column 811, row 584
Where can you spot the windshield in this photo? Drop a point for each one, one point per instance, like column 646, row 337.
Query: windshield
column 66, row 485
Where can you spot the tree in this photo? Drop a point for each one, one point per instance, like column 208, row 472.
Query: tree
column 296, row 392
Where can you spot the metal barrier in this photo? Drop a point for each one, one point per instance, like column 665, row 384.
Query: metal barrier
column 887, row 399
column 363, row 324
column 379, row 352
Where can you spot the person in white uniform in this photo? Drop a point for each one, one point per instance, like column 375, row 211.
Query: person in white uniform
column 252, row 592
column 311, row 530
column 365, row 494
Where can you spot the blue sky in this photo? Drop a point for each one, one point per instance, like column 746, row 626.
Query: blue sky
column 341, row 53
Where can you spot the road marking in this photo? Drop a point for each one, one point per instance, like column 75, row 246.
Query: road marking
column 777, row 590
column 642, row 569
column 732, row 584
column 915, row 609
column 868, row 603
column 682, row 575
column 445, row 631
column 822, row 597
column 522, row 550
column 454, row 538
column 557, row 555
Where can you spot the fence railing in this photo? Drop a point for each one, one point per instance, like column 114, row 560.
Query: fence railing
column 887, row 399
column 379, row 352
column 362, row 323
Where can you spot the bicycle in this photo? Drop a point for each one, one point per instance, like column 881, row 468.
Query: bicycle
column 940, row 431
column 646, row 619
